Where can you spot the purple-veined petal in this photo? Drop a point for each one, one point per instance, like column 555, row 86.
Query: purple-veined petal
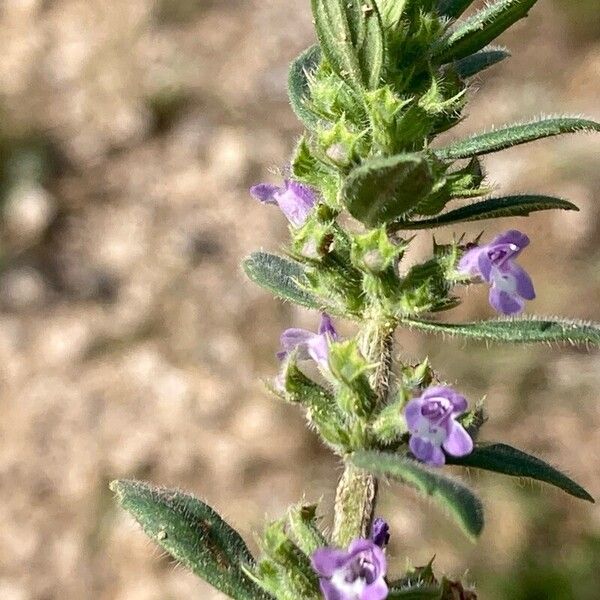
column 484, row 264
column 378, row 590
column 413, row 415
column 523, row 282
column 326, row 561
column 380, row 532
column 514, row 238
column 296, row 339
column 426, row 452
column 458, row 442
column 326, row 326
column 330, row 591
column 505, row 303
column 295, row 208
column 469, row 263
column 265, row 192
column 318, row 350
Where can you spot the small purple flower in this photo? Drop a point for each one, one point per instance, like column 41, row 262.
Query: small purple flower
column 431, row 421
column 355, row 574
column 380, row 532
column 308, row 344
column 295, row 199
column 495, row 263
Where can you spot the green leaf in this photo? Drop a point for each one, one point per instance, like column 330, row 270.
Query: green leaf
column 493, row 208
column 284, row 278
column 298, row 85
column 383, row 189
column 504, row 459
column 425, row 592
column 193, row 533
column 514, row 135
column 464, row 506
column 521, row 330
column 351, row 37
column 453, row 8
column 480, row 61
column 483, row 27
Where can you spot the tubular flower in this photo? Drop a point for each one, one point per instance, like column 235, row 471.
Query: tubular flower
column 354, row 574
column 495, row 264
column 431, row 421
column 295, row 199
column 310, row 345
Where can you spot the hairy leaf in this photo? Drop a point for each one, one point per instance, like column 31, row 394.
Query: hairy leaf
column 480, row 61
column 453, row 8
column 461, row 502
column 483, row 27
column 521, row 330
column 504, row 459
column 193, row 533
column 382, row 189
column 351, row 37
column 493, row 208
column 298, row 85
column 422, row 592
column 281, row 276
column 514, row 135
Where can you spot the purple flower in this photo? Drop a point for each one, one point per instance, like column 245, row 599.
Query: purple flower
column 308, row 344
column 295, row 200
column 380, row 532
column 355, row 574
column 495, row 263
column 431, row 421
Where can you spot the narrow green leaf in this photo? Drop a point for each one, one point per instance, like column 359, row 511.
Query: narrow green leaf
column 461, row 502
column 504, row 459
column 480, row 61
column 298, row 85
column 351, row 37
column 383, row 189
column 493, row 208
column 514, row 135
column 453, row 8
column 483, row 27
column 193, row 533
column 281, row 276
column 521, row 330
column 426, row 592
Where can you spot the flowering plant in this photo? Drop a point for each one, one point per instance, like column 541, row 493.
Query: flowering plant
column 385, row 79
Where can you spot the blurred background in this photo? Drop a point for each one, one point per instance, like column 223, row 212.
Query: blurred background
column 132, row 346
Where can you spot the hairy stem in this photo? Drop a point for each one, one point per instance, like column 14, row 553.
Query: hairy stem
column 356, row 495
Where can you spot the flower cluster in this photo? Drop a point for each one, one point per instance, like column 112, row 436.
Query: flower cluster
column 357, row 573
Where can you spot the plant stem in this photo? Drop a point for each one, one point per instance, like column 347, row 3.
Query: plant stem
column 356, row 495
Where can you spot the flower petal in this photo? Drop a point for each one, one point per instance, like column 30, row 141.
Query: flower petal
column 265, row 192
column 326, row 561
column 513, row 237
column 469, row 263
column 505, row 303
column 380, row 532
column 330, row 592
column 484, row 263
column 412, row 414
column 318, row 350
column 523, row 281
column 295, row 338
column 326, row 326
column 378, row 590
column 295, row 203
column 458, row 442
column 426, row 452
